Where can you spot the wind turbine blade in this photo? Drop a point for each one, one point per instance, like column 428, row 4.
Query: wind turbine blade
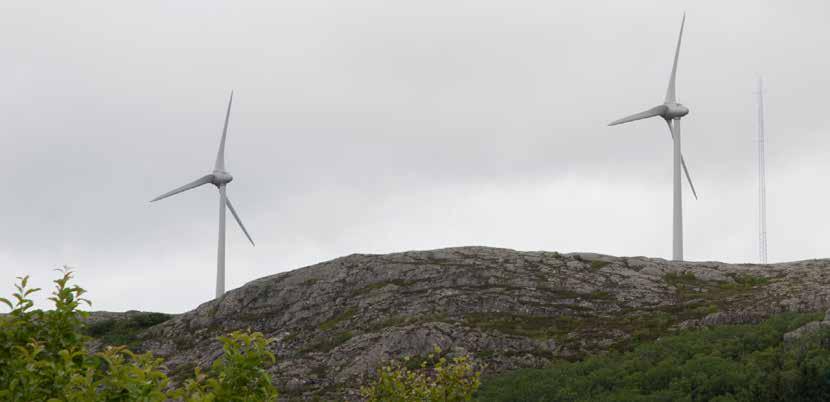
column 196, row 183
column 239, row 221
column 683, row 162
column 671, row 96
column 688, row 178
column 220, row 156
column 655, row 111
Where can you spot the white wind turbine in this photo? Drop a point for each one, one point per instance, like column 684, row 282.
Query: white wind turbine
column 219, row 178
column 671, row 111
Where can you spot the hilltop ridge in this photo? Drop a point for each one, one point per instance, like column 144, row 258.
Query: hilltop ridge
column 334, row 322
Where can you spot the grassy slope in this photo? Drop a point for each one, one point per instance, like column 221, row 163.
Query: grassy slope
column 124, row 330
column 727, row 363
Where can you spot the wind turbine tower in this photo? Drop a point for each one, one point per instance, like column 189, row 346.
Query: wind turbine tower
column 762, row 178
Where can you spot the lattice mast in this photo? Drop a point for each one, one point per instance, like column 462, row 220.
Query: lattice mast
column 762, row 179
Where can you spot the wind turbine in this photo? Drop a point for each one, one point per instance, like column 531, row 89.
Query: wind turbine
column 219, row 178
column 671, row 112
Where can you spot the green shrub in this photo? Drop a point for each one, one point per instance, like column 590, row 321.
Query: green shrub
column 446, row 381
column 43, row 357
column 239, row 375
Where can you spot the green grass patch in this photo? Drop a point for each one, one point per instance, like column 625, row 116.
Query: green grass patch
column 744, row 281
column 641, row 326
column 681, row 279
column 485, row 354
column 539, row 327
column 310, row 282
column 596, row 265
column 600, row 294
column 345, row 315
column 715, row 295
column 124, row 331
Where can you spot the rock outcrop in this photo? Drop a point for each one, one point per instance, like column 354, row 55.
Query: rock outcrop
column 335, row 322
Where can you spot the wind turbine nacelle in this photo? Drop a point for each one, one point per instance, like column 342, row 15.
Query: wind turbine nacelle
column 221, row 178
column 675, row 110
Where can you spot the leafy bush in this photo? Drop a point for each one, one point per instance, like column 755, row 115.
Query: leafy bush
column 240, row 375
column 445, row 381
column 728, row 363
column 43, row 357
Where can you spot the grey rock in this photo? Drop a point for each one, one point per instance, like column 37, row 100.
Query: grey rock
column 806, row 330
column 731, row 318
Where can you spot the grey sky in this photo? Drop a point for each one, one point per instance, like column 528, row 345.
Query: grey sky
column 383, row 126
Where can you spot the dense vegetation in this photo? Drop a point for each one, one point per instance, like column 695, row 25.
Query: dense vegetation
column 728, row 363
column 44, row 357
column 124, row 331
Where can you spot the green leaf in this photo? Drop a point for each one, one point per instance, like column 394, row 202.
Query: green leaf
column 7, row 302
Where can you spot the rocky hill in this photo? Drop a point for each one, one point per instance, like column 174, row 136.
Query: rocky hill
column 335, row 322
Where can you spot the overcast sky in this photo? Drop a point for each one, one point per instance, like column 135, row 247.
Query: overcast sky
column 382, row 126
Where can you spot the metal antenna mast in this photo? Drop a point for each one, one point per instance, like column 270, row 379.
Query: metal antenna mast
column 762, row 179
